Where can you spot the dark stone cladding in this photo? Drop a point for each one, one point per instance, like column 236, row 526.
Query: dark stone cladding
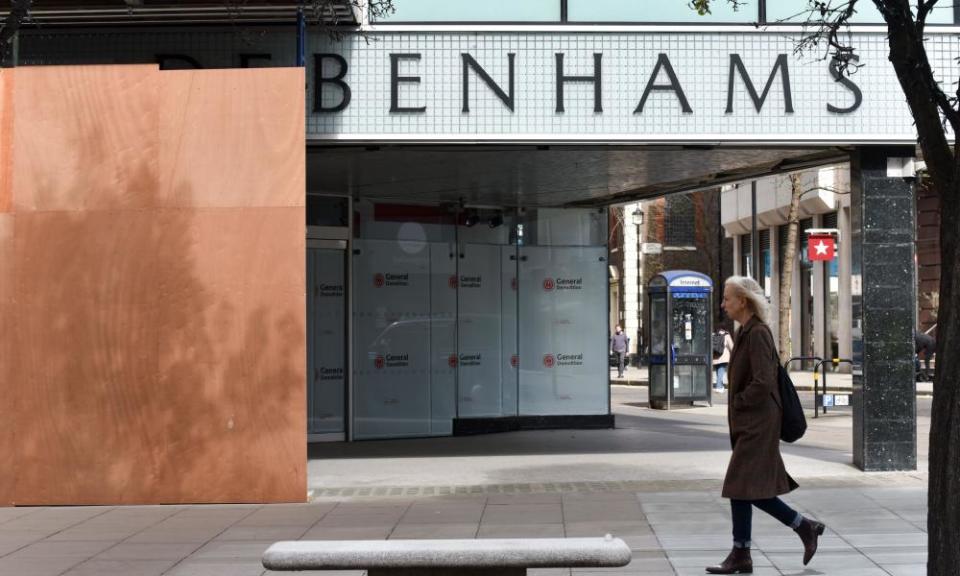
column 471, row 426
column 884, row 313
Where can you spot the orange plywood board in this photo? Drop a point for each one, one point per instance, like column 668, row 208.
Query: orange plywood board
column 251, row 151
column 85, row 137
column 6, row 140
column 8, row 383
column 161, row 337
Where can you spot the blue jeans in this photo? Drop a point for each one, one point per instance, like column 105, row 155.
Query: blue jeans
column 742, row 512
column 720, row 370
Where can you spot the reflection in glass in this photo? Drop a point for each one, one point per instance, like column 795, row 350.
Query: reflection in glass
column 866, row 12
column 473, row 11
column 657, row 12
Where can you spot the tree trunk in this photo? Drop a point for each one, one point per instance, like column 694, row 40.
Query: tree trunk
column 786, row 268
column 943, row 503
column 909, row 59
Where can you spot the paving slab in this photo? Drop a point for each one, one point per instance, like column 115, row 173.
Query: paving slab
column 655, row 482
column 670, row 533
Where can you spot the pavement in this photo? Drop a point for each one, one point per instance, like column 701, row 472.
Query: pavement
column 654, row 481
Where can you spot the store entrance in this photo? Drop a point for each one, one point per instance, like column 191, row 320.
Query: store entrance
column 476, row 281
column 328, row 316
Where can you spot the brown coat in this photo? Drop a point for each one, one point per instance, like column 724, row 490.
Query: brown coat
column 756, row 470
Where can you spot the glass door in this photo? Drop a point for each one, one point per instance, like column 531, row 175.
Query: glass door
column 326, row 339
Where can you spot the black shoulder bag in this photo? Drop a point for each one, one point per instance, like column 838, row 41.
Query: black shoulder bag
column 794, row 423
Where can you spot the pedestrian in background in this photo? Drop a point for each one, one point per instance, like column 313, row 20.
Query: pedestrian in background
column 756, row 475
column 722, row 344
column 619, row 345
column 925, row 343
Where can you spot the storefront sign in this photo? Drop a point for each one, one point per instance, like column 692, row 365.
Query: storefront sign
column 638, row 86
column 821, row 246
column 689, row 282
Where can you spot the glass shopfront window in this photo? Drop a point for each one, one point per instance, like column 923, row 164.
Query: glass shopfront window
column 562, row 334
column 404, row 320
column 455, row 317
column 472, row 11
column 630, row 11
column 659, row 12
column 866, row 12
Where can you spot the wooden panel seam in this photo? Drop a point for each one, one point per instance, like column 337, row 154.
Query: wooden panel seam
column 6, row 141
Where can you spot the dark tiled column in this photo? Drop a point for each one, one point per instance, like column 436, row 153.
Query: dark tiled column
column 884, row 310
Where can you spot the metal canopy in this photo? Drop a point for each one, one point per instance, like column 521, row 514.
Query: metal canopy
column 543, row 175
column 114, row 12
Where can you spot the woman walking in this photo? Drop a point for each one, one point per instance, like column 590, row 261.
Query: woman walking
column 756, row 475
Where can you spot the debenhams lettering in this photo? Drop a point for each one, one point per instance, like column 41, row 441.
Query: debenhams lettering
column 663, row 78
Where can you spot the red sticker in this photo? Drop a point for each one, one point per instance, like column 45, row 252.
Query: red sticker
column 378, row 280
column 548, row 360
column 548, row 284
column 452, row 281
column 452, row 361
column 515, row 360
column 378, row 362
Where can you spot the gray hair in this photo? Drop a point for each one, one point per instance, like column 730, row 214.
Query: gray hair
column 753, row 293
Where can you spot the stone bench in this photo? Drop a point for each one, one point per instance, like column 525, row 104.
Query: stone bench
column 481, row 557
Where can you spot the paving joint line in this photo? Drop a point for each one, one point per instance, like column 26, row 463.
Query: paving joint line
column 144, row 529
column 400, row 519
column 57, row 532
column 214, row 537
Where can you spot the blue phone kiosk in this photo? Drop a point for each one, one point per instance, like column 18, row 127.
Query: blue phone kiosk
column 679, row 320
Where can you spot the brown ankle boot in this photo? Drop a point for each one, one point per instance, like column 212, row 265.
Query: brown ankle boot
column 809, row 532
column 737, row 562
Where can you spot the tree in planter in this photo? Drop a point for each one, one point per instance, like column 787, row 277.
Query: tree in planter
column 797, row 193
column 934, row 111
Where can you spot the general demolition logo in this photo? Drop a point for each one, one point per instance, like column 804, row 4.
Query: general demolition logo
column 570, row 283
column 331, row 373
column 560, row 283
column 471, row 281
column 388, row 279
column 515, row 360
column 570, row 359
column 391, row 361
column 331, row 290
column 452, row 281
column 549, row 360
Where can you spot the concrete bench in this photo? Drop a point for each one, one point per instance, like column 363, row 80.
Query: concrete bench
column 482, row 557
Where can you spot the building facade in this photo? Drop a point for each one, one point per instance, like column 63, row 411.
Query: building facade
column 457, row 163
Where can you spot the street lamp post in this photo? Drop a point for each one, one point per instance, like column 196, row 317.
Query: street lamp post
column 638, row 222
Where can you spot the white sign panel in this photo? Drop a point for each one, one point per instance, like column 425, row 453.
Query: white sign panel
column 563, row 331
column 740, row 85
column 327, row 355
column 479, row 365
column 392, row 339
column 443, row 337
column 746, row 86
column 510, row 355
